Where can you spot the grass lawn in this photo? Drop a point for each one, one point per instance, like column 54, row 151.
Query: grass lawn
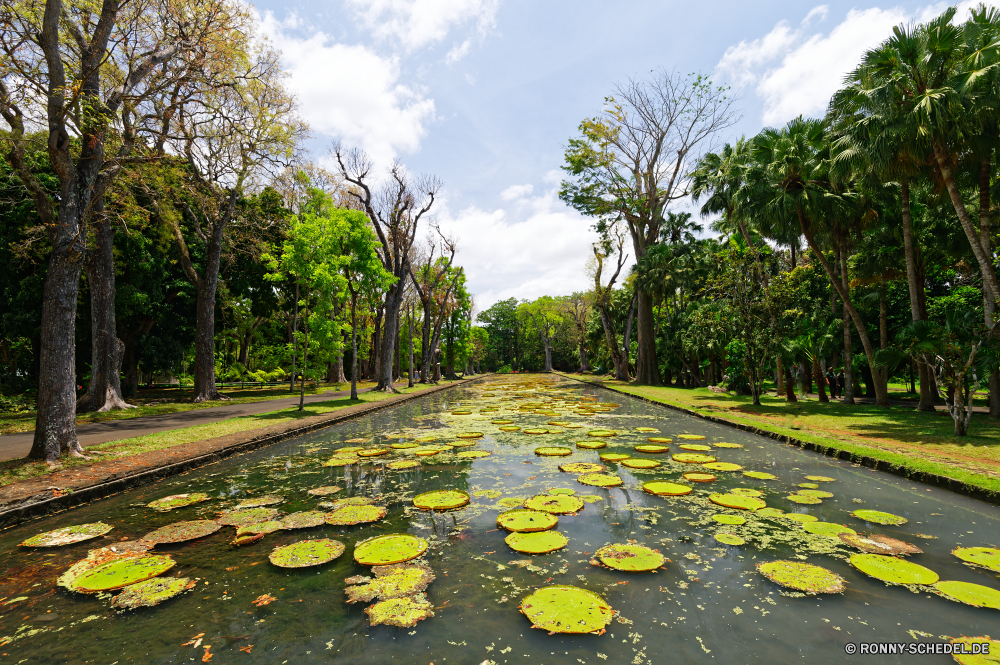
column 154, row 401
column 898, row 434
column 20, row 469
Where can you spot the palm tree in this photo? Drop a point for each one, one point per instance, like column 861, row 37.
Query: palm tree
column 721, row 179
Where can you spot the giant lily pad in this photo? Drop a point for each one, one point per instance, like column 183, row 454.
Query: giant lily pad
column 691, row 437
column 892, row 570
column 535, row 430
column 509, row 428
column 500, row 421
column 536, row 542
column 987, row 557
column 828, row 529
column 306, row 553
column 640, row 463
column 567, row 609
column 630, row 558
column 406, row 446
column 820, row 479
column 698, row 477
column 389, row 549
column 469, row 435
column 324, row 491
column 876, row 543
column 558, row 504
column 259, row 502
column 695, row 447
column 526, row 521
column 770, row 512
column 799, row 517
column 349, row 515
column 342, row 460
column 804, row 499
column 151, row 592
column 802, row 576
column 243, row 517
column 600, row 479
column 582, row 467
column 177, row 501
column 729, row 539
column 350, row 501
column 746, row 491
column 760, row 475
column 878, row 517
column 664, row 488
column 723, row 466
column 650, row 448
column 592, row 445
column 816, row 494
column 473, row 454
column 731, row 520
column 303, row 520
column 68, row 535
column 395, row 581
column 693, row 458
column 737, row 501
column 121, row 573
column 373, row 452
column 726, row 444
column 976, row 595
column 259, row 528
column 462, row 443
column 131, row 549
column 602, row 433
column 614, row 457
column 179, row 532
column 402, row 465
column 400, row 612
column 659, row 439
column 553, row 451
column 987, row 649
column 441, row 500
column 646, row 429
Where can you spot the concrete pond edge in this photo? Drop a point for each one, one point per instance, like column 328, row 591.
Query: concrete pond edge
column 933, row 479
column 33, row 508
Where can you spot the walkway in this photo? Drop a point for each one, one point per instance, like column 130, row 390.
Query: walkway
column 17, row 445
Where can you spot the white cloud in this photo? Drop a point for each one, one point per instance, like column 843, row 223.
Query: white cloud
column 515, row 192
column 350, row 92
column 796, row 70
column 418, row 23
column 540, row 252
column 458, row 52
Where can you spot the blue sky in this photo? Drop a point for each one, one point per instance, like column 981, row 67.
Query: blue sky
column 486, row 93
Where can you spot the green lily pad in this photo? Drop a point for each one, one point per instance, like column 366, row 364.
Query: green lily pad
column 130, row 549
column 640, row 463
column 695, row 447
column 562, row 490
column 248, row 516
column 770, row 512
column 342, row 460
column 402, row 465
column 802, row 576
column 820, row 479
column 892, row 570
column 259, row 502
column 509, row 428
column 469, row 435
column 809, row 486
column 600, row 480
column 760, row 475
column 373, row 452
column 68, row 535
column 406, row 445
column 567, row 609
column 878, row 517
column 151, row 592
column 462, row 443
column 734, row 520
column 804, row 499
column 746, row 491
column 630, row 558
column 177, row 501
column 559, row 504
column 826, row 529
column 987, row 557
column 876, row 543
column 180, row 532
column 526, row 521
column 591, row 498
column 816, row 494
column 461, row 412
column 306, row 553
column 726, row 444
column 502, row 422
column 121, row 573
column 473, row 454
column 324, row 491
column 665, row 488
column 429, row 438
column 650, row 448
column 350, row 515
column 304, row 520
column 737, row 501
column 646, row 429
column 400, row 612
column 395, row 581
column 698, row 477
column 591, row 445
column 723, row 466
column 976, row 595
column 350, row 450
column 534, row 430
column 659, row 439
column 259, row 528
column 602, row 433
column 441, row 500
column 536, row 542
column 389, row 549
column 729, row 539
column 510, row 502
column 582, row 467
column 986, row 656
column 553, row 451
column 693, row 458
column 799, row 517
column 614, row 457
column 351, row 501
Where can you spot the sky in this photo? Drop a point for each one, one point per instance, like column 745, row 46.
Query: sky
column 485, row 94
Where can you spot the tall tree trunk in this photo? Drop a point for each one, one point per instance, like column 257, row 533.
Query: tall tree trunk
column 354, row 348
column 393, row 300
column 425, row 344
column 409, row 319
column 627, row 341
column 548, row 353
column 779, row 376
column 583, row 357
column 396, row 371
column 915, row 286
column 647, row 372
column 291, row 336
column 820, row 380
column 611, row 338
column 789, row 386
column 104, row 391
column 989, row 302
column 305, row 354
column 377, row 355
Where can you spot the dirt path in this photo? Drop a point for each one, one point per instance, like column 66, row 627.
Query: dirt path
column 13, row 446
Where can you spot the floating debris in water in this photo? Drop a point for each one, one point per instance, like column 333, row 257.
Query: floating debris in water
column 878, row 544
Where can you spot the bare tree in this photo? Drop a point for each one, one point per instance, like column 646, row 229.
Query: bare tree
column 428, row 279
column 577, row 307
column 395, row 210
column 613, row 245
column 635, row 158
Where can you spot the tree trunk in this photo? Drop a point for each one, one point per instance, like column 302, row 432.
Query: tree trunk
column 915, row 285
column 291, row 335
column 789, row 386
column 393, row 300
column 409, row 383
column 548, row 354
column 647, row 371
column 820, row 380
column 620, row 362
column 55, row 420
column 377, row 355
column 104, row 391
column 779, row 376
column 305, row 354
column 354, row 349
column 989, row 302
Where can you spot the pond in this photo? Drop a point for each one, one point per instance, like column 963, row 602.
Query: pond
column 708, row 602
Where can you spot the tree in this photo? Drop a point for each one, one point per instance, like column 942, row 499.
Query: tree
column 577, row 308
column 503, row 333
column 434, row 281
column 613, row 244
column 395, row 211
column 542, row 316
column 630, row 162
